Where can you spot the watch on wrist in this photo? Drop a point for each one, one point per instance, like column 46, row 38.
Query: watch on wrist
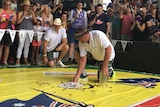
column 44, row 55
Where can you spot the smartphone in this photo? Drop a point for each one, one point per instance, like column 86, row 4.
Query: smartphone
column 138, row 18
column 11, row 16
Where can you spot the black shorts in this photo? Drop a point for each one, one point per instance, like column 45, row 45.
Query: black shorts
column 100, row 63
column 6, row 39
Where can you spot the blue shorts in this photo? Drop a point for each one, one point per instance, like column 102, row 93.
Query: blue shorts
column 71, row 37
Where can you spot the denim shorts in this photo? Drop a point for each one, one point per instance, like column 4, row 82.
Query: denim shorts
column 71, row 36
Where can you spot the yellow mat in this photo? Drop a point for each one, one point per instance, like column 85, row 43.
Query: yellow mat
column 17, row 83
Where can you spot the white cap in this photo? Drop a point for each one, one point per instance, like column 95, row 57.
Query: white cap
column 39, row 18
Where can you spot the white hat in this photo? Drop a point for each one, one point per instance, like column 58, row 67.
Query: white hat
column 57, row 21
column 39, row 18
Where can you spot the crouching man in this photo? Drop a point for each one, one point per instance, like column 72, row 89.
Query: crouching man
column 55, row 40
column 99, row 46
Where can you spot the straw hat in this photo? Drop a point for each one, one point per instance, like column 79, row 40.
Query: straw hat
column 25, row 3
column 57, row 21
column 80, row 31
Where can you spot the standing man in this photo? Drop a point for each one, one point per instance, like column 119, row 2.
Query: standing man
column 100, row 21
column 99, row 46
column 55, row 40
column 78, row 17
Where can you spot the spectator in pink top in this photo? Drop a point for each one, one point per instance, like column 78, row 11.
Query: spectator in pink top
column 126, row 20
column 7, row 17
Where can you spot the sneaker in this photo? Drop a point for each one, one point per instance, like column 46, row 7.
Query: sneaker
column 112, row 74
column 69, row 62
column 74, row 61
column 5, row 63
column 27, row 63
column 83, row 79
column 59, row 63
column 17, row 65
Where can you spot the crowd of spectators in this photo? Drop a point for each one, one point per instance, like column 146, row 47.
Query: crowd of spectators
column 134, row 21
column 130, row 20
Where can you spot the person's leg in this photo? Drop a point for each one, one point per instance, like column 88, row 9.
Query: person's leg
column 74, row 57
column 26, row 49
column 112, row 74
column 99, row 68
column 50, row 61
column 37, row 52
column 111, row 71
column 19, row 50
column 6, row 53
column 7, row 43
column 71, row 42
column 13, row 50
column 1, row 48
column 2, row 43
column 77, row 56
column 63, row 52
column 33, row 54
column 55, row 56
column 71, row 52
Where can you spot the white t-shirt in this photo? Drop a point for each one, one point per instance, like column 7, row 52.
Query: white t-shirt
column 96, row 46
column 54, row 38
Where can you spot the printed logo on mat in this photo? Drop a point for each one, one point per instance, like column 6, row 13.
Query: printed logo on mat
column 151, row 102
column 41, row 100
column 145, row 82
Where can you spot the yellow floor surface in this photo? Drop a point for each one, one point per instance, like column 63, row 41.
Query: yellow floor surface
column 18, row 83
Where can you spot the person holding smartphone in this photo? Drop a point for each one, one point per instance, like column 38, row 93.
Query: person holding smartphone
column 77, row 17
column 7, row 21
column 25, row 19
column 100, row 21
column 138, row 27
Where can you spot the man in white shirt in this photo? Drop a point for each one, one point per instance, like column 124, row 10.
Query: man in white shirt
column 55, row 40
column 99, row 46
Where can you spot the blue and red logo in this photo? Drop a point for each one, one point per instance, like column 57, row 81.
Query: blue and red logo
column 41, row 100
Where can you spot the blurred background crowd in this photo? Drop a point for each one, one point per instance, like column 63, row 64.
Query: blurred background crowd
column 130, row 20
